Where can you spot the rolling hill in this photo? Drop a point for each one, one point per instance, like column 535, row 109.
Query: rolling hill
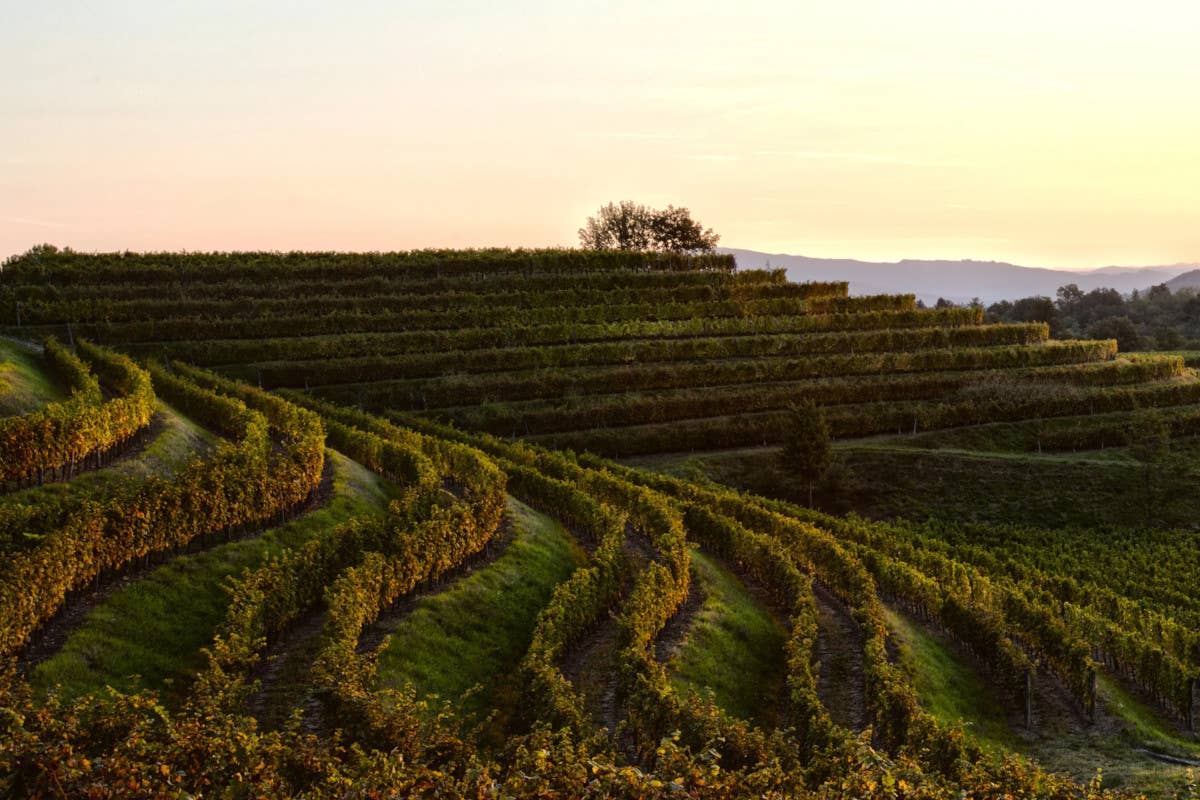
column 958, row 281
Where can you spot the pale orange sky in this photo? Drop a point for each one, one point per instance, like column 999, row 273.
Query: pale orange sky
column 1047, row 133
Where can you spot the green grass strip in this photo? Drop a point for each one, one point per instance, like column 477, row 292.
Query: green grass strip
column 949, row 689
column 734, row 647
column 25, row 385
column 476, row 631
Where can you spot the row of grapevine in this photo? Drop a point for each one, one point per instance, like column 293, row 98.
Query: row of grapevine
column 431, row 546
column 1115, row 431
column 768, row 562
column 349, row 367
column 387, row 284
column 568, row 385
column 550, row 371
column 630, row 407
column 487, row 317
column 56, row 440
column 66, row 267
column 577, row 603
column 303, row 302
column 987, row 404
column 243, row 484
column 216, row 352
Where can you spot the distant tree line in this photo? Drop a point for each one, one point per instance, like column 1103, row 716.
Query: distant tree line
column 1153, row 319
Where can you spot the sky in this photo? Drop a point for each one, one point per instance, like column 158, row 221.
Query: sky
column 1050, row 133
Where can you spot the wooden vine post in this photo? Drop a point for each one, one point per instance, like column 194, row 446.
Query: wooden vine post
column 1091, row 704
column 1190, row 708
column 1029, row 698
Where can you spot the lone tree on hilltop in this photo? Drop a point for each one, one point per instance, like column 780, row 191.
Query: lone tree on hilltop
column 632, row 226
column 807, row 451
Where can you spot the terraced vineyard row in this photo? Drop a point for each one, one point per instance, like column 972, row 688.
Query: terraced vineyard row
column 276, row 614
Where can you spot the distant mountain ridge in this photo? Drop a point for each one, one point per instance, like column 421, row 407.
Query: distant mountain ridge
column 1188, row 280
column 960, row 281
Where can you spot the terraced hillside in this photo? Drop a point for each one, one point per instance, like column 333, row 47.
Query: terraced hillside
column 229, row 591
column 617, row 354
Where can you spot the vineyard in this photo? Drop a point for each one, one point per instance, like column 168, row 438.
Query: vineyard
column 445, row 524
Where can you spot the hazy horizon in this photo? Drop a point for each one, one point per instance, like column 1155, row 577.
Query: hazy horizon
column 1056, row 136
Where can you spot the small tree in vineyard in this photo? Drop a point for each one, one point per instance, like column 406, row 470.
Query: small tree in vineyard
column 807, row 451
column 1149, row 437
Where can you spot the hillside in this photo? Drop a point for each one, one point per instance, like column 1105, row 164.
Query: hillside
column 1186, row 280
column 338, row 525
column 957, row 281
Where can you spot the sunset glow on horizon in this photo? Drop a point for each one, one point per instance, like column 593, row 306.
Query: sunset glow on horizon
column 1061, row 134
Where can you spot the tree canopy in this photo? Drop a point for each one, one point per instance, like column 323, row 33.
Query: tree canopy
column 807, row 450
column 632, row 226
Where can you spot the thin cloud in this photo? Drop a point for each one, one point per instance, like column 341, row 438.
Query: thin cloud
column 37, row 223
column 1032, row 81
column 868, row 158
column 633, row 135
column 705, row 157
column 1062, row 86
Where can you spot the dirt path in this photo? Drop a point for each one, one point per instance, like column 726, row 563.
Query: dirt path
column 1055, row 710
column 285, row 673
column 841, row 680
column 675, row 633
column 591, row 664
column 54, row 634
column 591, row 667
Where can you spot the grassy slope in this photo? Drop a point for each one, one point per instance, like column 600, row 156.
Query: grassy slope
column 950, row 690
column 155, row 627
column 24, row 384
column 9, row 403
column 954, row 692
column 882, row 478
column 734, row 647
column 475, row 632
